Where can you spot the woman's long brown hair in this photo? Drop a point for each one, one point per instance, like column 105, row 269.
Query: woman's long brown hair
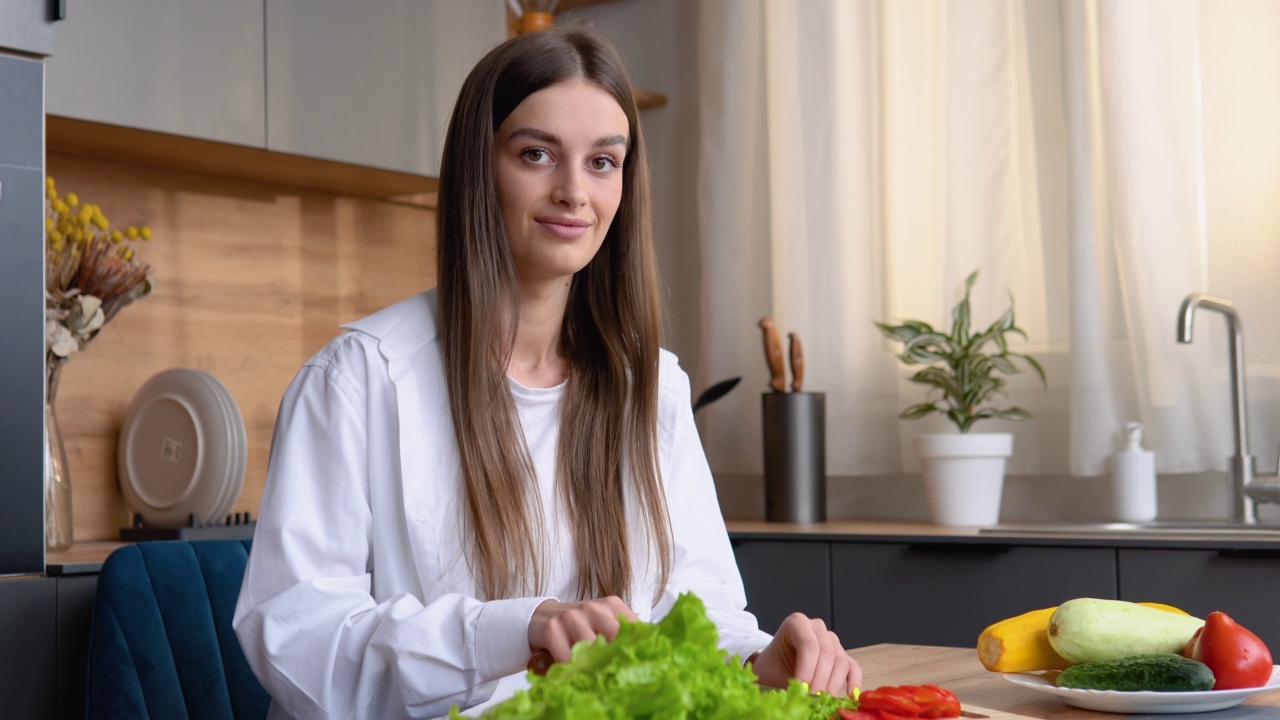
column 609, row 413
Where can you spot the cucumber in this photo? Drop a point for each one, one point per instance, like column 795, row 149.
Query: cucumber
column 1087, row 630
column 1162, row 673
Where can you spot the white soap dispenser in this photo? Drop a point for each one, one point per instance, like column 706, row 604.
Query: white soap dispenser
column 1133, row 478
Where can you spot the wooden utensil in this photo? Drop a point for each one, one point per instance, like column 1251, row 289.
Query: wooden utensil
column 773, row 355
column 797, row 363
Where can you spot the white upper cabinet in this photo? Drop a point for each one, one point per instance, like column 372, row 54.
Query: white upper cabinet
column 186, row 67
column 372, row 82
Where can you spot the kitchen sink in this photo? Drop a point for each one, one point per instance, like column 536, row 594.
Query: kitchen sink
column 1157, row 527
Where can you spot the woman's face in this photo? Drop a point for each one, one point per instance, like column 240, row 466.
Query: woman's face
column 559, row 169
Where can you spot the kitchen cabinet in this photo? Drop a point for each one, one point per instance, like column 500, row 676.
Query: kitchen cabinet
column 22, row 322
column 371, row 83
column 944, row 593
column 74, row 621
column 785, row 577
column 27, row 653
column 1245, row 584
column 184, row 67
column 26, row 26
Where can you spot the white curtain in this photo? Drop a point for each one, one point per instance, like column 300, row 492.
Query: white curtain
column 858, row 159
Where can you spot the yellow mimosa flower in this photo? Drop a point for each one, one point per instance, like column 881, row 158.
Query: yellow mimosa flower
column 100, row 221
column 116, row 236
column 132, row 232
column 145, row 232
column 72, row 199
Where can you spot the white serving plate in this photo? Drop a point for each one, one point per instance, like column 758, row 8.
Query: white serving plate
column 182, row 449
column 1116, row 701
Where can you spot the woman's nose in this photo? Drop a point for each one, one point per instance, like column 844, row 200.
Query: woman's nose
column 570, row 189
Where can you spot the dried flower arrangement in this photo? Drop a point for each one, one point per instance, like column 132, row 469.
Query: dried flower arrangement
column 91, row 273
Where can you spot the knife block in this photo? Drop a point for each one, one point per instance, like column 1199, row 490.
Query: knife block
column 795, row 457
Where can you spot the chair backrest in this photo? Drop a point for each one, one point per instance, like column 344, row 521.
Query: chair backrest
column 162, row 646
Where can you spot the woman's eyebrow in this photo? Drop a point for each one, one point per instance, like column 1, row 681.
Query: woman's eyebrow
column 535, row 134
column 609, row 140
column 552, row 139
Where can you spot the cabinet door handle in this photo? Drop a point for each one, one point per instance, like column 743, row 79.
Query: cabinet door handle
column 1250, row 553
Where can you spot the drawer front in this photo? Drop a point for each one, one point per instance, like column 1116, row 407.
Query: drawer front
column 782, row 577
column 1243, row 584
column 946, row 594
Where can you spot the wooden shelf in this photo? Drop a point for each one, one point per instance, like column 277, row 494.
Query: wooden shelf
column 101, row 141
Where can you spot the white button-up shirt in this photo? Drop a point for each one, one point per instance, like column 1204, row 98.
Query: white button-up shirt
column 358, row 602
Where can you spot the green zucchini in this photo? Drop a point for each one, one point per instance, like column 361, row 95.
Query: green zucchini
column 1162, row 673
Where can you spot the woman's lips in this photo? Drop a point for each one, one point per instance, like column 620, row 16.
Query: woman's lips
column 565, row 228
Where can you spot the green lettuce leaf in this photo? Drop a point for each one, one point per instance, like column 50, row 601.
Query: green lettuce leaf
column 673, row 670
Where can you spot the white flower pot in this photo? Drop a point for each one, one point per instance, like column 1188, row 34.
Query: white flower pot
column 964, row 476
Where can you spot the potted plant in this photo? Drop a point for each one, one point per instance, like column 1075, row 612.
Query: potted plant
column 963, row 473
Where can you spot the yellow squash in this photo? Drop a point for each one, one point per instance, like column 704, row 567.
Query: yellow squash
column 1021, row 644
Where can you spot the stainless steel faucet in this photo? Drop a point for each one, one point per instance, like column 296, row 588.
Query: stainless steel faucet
column 1247, row 488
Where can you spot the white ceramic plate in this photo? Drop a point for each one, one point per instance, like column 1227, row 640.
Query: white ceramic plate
column 181, row 449
column 1143, row 702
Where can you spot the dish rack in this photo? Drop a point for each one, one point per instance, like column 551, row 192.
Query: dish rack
column 236, row 526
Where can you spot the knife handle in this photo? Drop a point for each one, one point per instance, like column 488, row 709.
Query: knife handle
column 773, row 355
column 541, row 662
column 797, row 363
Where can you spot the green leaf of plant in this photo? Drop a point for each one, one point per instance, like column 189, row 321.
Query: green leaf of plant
column 939, row 378
column 923, row 327
column 915, row 412
column 1003, row 364
column 1013, row 413
column 926, row 347
column 899, row 333
column 1035, row 364
column 961, row 421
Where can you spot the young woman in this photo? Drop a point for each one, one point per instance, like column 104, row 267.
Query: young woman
column 507, row 464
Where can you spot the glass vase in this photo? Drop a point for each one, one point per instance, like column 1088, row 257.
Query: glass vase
column 57, row 474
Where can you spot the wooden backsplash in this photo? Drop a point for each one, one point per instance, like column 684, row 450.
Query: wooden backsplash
column 251, row 280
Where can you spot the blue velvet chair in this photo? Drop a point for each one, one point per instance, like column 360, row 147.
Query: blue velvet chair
column 162, row 647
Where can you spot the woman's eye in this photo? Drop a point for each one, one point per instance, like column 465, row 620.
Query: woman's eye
column 601, row 163
column 537, row 156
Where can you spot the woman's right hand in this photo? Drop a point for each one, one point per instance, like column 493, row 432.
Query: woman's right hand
column 556, row 626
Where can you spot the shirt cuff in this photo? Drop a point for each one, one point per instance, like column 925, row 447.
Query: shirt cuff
column 502, row 636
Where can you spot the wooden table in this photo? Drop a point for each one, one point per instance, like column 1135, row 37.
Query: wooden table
column 958, row 670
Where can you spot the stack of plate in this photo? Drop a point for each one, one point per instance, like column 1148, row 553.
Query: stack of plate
column 182, row 449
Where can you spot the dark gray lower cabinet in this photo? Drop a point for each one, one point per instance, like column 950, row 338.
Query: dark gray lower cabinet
column 1242, row 583
column 946, row 593
column 783, row 576
column 28, row 624
column 75, row 617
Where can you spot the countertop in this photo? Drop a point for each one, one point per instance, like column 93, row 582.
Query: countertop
column 87, row 557
column 927, row 533
column 958, row 670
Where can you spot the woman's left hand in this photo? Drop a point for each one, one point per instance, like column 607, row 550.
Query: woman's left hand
column 806, row 650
